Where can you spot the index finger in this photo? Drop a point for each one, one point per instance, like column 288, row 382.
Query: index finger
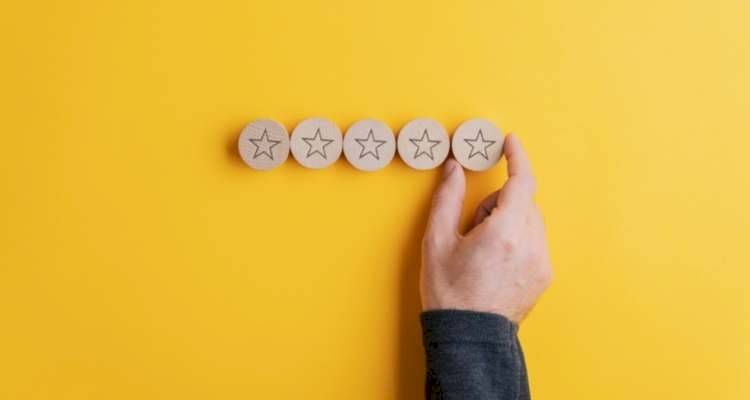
column 519, row 165
column 518, row 191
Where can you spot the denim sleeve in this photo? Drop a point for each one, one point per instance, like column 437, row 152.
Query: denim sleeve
column 472, row 355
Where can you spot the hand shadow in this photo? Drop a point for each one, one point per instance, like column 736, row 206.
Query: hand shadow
column 410, row 371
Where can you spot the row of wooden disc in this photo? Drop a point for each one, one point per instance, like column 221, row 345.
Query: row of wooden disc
column 369, row 144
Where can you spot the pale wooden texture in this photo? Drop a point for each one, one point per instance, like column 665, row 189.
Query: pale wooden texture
column 264, row 144
column 477, row 144
column 369, row 145
column 316, row 143
column 423, row 143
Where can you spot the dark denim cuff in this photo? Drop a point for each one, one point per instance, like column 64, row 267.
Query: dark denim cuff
column 440, row 326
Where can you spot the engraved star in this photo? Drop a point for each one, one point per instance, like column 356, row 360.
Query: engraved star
column 483, row 144
column 264, row 145
column 318, row 144
column 370, row 145
column 424, row 145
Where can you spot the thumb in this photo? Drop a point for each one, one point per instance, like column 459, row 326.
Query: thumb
column 447, row 201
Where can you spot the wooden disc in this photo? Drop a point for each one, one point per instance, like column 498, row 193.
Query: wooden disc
column 369, row 145
column 423, row 143
column 477, row 144
column 316, row 143
column 264, row 144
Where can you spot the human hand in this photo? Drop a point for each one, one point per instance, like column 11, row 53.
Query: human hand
column 501, row 265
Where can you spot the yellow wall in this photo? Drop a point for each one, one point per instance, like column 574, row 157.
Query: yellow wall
column 140, row 259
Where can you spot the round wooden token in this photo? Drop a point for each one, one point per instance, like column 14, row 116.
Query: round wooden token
column 477, row 144
column 369, row 145
column 264, row 144
column 316, row 143
column 423, row 143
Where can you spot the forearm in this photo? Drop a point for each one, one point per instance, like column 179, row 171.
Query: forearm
column 472, row 355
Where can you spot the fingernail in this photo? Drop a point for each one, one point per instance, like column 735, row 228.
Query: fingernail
column 448, row 170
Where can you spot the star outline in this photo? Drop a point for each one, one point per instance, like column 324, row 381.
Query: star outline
column 317, row 137
column 265, row 140
column 485, row 143
column 419, row 151
column 370, row 139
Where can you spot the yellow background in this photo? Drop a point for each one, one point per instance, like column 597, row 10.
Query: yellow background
column 140, row 259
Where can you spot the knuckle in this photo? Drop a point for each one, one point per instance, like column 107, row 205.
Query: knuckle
column 440, row 196
column 432, row 241
column 429, row 240
column 545, row 277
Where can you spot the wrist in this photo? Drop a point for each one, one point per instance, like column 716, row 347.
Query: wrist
column 453, row 325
